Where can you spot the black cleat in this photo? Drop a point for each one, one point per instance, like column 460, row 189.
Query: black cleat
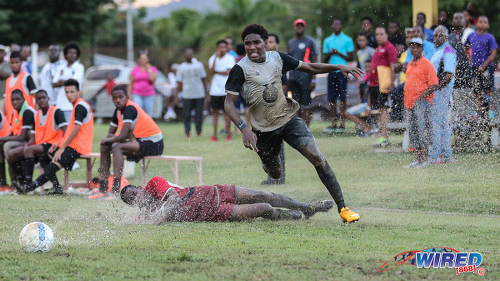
column 317, row 206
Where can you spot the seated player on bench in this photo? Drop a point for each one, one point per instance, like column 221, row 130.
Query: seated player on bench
column 5, row 130
column 22, row 123
column 161, row 201
column 77, row 140
column 50, row 126
column 138, row 136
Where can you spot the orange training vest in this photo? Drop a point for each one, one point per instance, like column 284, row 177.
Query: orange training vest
column 47, row 133
column 145, row 125
column 82, row 143
column 5, row 130
column 9, row 109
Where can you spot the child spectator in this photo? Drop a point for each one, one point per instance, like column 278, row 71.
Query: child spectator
column 364, row 55
column 483, row 47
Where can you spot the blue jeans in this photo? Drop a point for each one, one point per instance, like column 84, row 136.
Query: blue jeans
column 441, row 132
column 145, row 102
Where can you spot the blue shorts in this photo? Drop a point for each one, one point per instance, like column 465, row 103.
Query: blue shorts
column 337, row 86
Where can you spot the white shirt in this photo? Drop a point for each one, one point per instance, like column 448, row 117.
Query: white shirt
column 190, row 75
column 49, row 71
column 219, row 81
column 468, row 31
column 74, row 71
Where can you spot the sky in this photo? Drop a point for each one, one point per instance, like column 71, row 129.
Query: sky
column 152, row 3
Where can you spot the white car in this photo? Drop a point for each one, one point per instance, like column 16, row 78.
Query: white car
column 95, row 78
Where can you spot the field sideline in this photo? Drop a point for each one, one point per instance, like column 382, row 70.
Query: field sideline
column 456, row 206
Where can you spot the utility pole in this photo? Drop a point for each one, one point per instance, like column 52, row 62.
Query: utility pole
column 130, row 35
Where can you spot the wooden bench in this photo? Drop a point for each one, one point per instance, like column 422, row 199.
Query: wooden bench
column 174, row 165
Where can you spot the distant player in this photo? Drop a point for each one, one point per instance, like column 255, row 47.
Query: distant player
column 132, row 133
column 257, row 78
column 161, row 201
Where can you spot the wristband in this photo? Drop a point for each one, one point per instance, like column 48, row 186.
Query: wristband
column 241, row 125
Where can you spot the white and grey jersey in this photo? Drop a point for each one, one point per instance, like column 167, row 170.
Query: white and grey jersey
column 260, row 86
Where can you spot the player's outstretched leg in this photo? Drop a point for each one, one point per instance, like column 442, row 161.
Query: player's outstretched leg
column 263, row 210
column 250, row 196
column 298, row 135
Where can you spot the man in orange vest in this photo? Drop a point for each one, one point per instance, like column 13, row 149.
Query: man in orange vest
column 50, row 126
column 18, row 80
column 22, row 123
column 77, row 140
column 138, row 136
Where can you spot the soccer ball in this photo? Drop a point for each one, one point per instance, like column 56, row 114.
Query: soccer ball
column 36, row 237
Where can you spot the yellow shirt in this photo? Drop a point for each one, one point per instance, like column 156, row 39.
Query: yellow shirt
column 402, row 75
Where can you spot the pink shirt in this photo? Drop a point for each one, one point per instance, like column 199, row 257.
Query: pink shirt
column 142, row 86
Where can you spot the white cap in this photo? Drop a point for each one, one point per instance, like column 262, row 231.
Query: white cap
column 417, row 40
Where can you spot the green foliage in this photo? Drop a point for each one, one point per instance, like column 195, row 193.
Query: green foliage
column 47, row 22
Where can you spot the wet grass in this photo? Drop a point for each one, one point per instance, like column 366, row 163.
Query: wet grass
column 96, row 241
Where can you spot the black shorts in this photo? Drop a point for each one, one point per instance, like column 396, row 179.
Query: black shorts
column 337, row 86
column 298, row 84
column 377, row 99
column 45, row 158
column 295, row 133
column 68, row 158
column 147, row 148
column 217, row 102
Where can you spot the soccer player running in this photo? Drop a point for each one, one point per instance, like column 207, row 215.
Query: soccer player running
column 257, row 78
column 50, row 126
column 138, row 136
column 161, row 201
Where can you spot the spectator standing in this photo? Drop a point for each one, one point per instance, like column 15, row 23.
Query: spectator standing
column 303, row 48
column 220, row 65
column 71, row 69
column 442, row 20
column 421, row 20
column 483, row 47
column 50, row 70
column 192, row 82
column 470, row 27
column 338, row 48
column 171, row 96
column 25, row 57
column 395, row 35
column 421, row 82
column 429, row 47
column 463, row 100
column 367, row 29
column 385, row 55
column 5, row 71
column 141, row 86
column 240, row 51
column 444, row 61
column 230, row 50
column 364, row 55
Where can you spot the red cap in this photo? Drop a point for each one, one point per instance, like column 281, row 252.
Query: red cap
column 297, row 21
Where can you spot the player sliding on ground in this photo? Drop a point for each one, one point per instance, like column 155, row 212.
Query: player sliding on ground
column 161, row 201
column 138, row 136
column 273, row 117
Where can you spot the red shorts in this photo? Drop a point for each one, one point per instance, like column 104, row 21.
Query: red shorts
column 209, row 203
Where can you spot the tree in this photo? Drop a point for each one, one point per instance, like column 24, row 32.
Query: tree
column 54, row 21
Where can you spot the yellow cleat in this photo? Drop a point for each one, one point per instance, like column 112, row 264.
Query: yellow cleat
column 348, row 216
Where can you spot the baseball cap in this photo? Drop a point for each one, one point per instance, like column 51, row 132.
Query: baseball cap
column 297, row 21
column 417, row 40
column 3, row 47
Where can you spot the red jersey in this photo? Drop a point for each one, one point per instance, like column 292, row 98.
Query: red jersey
column 384, row 55
column 200, row 203
column 110, row 84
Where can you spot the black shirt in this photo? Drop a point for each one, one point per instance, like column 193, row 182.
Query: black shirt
column 80, row 114
column 129, row 114
column 28, row 119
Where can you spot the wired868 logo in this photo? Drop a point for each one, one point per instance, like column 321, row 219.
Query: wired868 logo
column 438, row 257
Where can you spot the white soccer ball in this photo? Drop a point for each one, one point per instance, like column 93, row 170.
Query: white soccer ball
column 36, row 237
